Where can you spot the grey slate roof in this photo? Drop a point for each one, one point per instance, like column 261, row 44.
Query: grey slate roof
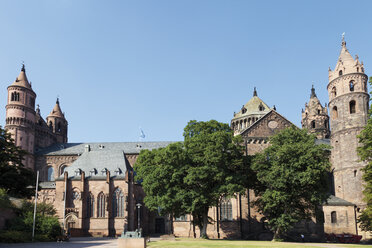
column 78, row 148
column 47, row 185
column 96, row 163
column 323, row 141
column 335, row 201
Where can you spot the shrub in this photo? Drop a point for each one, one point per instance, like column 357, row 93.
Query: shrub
column 11, row 236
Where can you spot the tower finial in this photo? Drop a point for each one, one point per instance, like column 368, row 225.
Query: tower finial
column 312, row 91
column 57, row 102
column 23, row 67
column 343, row 39
column 254, row 92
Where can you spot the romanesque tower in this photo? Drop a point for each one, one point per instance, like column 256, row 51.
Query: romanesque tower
column 57, row 123
column 20, row 115
column 315, row 117
column 348, row 106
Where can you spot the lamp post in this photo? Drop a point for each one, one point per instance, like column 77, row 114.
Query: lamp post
column 139, row 205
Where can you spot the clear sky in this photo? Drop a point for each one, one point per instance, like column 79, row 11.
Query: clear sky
column 121, row 65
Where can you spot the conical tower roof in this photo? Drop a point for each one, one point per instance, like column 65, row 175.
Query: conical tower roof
column 345, row 57
column 22, row 80
column 56, row 112
column 255, row 106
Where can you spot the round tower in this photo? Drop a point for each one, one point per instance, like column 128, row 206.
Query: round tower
column 315, row 117
column 57, row 123
column 348, row 106
column 20, row 115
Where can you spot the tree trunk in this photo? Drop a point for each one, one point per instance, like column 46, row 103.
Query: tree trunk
column 276, row 234
column 204, row 224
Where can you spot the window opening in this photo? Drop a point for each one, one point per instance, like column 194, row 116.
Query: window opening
column 352, row 107
column 334, row 113
column 351, row 85
column 118, row 203
column 333, row 217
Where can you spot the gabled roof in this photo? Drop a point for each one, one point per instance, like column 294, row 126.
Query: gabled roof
column 267, row 125
column 97, row 163
column 335, row 201
column 78, row 148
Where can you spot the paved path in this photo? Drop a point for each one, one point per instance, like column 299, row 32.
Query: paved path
column 73, row 243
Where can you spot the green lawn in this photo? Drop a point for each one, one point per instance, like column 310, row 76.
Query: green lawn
column 199, row 243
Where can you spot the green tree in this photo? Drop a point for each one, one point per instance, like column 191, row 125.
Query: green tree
column 292, row 175
column 14, row 177
column 192, row 176
column 47, row 224
column 365, row 153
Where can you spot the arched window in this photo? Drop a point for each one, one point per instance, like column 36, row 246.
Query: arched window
column 118, row 203
column 352, row 106
column 50, row 174
column 333, row 217
column 351, row 85
column 313, row 124
column 14, row 96
column 340, row 73
column 59, row 127
column 261, row 107
column 225, row 209
column 62, row 169
column 334, row 113
column 50, row 125
column 90, row 205
column 334, row 92
column 101, row 205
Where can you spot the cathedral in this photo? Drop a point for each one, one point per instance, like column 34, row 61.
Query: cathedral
column 92, row 185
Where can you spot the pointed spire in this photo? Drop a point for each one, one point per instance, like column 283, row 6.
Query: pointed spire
column 22, row 80
column 254, row 92
column 57, row 112
column 274, row 108
column 343, row 43
column 312, row 92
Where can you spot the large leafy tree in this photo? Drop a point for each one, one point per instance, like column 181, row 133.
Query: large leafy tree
column 14, row 177
column 292, row 175
column 365, row 153
column 192, row 176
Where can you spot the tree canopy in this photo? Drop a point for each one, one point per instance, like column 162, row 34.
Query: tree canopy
column 192, row 176
column 292, row 175
column 365, row 153
column 14, row 177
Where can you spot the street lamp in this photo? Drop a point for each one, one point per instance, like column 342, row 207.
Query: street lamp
column 139, row 205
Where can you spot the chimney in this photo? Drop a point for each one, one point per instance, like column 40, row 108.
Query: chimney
column 87, row 148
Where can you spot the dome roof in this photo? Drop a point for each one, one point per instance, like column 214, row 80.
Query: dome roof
column 255, row 106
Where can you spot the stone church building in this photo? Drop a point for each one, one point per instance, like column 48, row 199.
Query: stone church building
column 92, row 185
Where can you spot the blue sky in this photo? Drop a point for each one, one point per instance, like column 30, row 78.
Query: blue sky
column 121, row 65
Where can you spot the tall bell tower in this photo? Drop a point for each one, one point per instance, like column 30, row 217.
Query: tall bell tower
column 348, row 106
column 20, row 115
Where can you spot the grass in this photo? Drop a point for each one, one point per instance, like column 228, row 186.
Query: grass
column 200, row 243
